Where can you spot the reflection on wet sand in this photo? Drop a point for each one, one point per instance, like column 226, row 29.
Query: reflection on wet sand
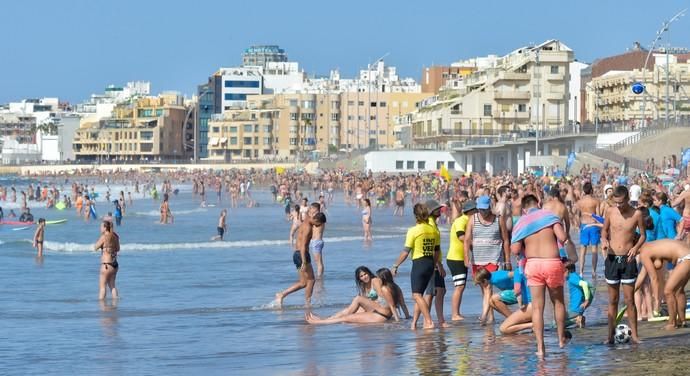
column 109, row 318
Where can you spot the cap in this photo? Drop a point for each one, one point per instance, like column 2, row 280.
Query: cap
column 433, row 205
column 483, row 202
column 469, row 205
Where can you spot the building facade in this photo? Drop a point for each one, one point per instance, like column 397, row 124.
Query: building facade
column 150, row 128
column 524, row 91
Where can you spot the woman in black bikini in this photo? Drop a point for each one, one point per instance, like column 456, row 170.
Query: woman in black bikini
column 109, row 244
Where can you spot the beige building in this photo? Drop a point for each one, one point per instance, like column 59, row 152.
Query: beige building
column 148, row 128
column 520, row 92
column 610, row 99
column 308, row 125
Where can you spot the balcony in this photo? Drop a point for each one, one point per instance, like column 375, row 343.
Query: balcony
column 555, row 76
column 509, row 115
column 511, row 94
column 513, row 76
column 549, row 96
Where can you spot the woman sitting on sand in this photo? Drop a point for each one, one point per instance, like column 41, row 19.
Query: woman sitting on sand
column 378, row 304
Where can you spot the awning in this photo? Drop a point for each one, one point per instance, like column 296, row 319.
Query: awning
column 213, row 141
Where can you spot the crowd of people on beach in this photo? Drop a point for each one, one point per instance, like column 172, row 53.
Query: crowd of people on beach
column 509, row 235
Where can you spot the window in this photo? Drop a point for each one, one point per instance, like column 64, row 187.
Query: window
column 216, row 129
column 439, row 164
column 256, row 128
column 382, row 133
column 451, row 165
column 382, row 104
column 267, row 140
column 335, row 117
column 242, row 83
column 410, row 165
column 398, row 165
column 293, row 116
column 372, row 117
column 522, row 107
column 350, row 117
column 294, row 102
column 308, row 104
column 268, row 128
column 235, row 97
column 487, row 110
column 554, row 69
column 350, row 103
column 147, row 135
column 360, row 103
column 421, row 165
column 233, row 129
column 372, row 104
column 307, row 116
column 247, row 140
column 248, row 127
column 293, row 141
column 147, row 147
column 233, row 140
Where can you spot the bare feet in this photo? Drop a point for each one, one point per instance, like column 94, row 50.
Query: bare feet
column 568, row 337
column 540, row 355
column 279, row 299
column 429, row 325
column 670, row 327
column 635, row 340
column 457, row 318
column 444, row 325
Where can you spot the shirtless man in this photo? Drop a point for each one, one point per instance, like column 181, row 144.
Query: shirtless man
column 684, row 198
column 222, row 227
column 555, row 205
column 502, row 207
column 654, row 255
column 302, row 260
column 316, row 242
column 516, row 206
column 590, row 234
column 619, row 247
column 543, row 269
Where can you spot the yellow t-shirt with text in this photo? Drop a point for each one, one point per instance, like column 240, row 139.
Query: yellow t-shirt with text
column 422, row 239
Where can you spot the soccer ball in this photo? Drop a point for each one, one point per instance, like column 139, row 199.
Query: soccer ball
column 623, row 333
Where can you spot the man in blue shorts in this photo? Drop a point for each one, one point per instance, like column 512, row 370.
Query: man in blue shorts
column 590, row 229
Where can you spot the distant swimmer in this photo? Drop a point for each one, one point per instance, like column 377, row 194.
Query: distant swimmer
column 39, row 236
column 222, row 227
column 166, row 215
column 109, row 244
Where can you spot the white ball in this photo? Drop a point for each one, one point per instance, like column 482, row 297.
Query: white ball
column 623, row 333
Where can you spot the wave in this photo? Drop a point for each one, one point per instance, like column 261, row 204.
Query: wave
column 157, row 213
column 81, row 247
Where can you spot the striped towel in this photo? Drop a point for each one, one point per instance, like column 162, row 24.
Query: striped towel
column 532, row 222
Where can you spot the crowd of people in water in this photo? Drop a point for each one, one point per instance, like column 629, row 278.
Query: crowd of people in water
column 509, row 235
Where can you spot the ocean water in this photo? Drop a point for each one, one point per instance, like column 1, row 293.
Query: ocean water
column 189, row 304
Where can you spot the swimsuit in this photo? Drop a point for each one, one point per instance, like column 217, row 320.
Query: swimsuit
column 617, row 269
column 372, row 295
column 316, row 245
column 545, row 271
column 114, row 264
column 387, row 317
column 297, row 259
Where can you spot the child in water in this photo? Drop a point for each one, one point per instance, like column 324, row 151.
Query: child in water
column 581, row 296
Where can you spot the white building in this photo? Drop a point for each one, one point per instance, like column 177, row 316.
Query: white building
column 574, row 89
column 14, row 153
column 377, row 78
column 283, row 77
column 237, row 83
column 407, row 161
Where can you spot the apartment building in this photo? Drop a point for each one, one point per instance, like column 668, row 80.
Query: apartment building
column 148, row 128
column 260, row 55
column 524, row 90
column 610, row 100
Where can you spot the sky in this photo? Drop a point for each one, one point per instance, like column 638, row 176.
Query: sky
column 72, row 48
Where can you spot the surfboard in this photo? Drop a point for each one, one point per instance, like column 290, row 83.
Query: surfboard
column 21, row 228
column 93, row 212
column 56, row 221
column 60, row 205
column 665, row 318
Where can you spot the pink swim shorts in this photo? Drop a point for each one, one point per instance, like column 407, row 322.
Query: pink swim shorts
column 545, row 271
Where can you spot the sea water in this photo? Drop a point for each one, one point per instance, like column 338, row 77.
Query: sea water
column 189, row 304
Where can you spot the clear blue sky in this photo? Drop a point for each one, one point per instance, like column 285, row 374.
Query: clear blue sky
column 71, row 49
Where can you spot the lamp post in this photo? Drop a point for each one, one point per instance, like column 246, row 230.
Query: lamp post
column 664, row 28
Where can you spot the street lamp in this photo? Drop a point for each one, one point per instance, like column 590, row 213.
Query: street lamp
column 664, row 28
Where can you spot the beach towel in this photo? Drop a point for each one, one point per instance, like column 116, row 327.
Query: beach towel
column 532, row 222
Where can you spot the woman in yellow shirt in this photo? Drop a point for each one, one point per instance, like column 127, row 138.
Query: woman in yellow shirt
column 456, row 257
